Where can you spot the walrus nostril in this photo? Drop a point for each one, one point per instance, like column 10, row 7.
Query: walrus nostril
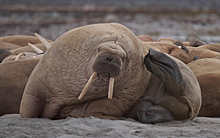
column 109, row 59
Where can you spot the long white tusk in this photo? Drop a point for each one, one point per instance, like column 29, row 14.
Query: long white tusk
column 38, row 50
column 44, row 41
column 87, row 86
column 19, row 56
column 110, row 88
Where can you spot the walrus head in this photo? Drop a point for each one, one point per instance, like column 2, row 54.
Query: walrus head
column 108, row 63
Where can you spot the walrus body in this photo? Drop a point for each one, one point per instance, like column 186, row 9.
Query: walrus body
column 21, row 40
column 208, row 75
column 204, row 51
column 109, row 50
column 14, row 76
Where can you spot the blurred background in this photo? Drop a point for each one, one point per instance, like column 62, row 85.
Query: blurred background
column 157, row 18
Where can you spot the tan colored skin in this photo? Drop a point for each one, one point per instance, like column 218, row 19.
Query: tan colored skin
column 204, row 51
column 167, row 40
column 170, row 49
column 68, row 80
column 208, row 74
column 14, row 76
column 8, row 46
column 21, row 40
column 145, row 38
column 29, row 49
column 57, row 81
column 25, row 55
column 30, row 52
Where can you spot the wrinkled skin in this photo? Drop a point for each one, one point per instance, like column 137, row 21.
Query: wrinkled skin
column 111, row 50
column 14, row 76
column 208, row 74
column 54, row 86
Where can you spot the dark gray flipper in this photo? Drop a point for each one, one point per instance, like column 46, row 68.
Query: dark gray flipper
column 196, row 58
column 149, row 112
column 194, row 42
column 4, row 53
column 167, row 70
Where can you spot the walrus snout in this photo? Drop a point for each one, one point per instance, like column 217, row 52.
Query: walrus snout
column 107, row 65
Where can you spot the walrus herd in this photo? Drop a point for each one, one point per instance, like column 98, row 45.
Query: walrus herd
column 105, row 71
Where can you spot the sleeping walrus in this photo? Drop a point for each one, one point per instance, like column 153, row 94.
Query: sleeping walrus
column 208, row 75
column 106, row 63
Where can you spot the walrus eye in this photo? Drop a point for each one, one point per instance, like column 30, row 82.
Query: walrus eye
column 110, row 89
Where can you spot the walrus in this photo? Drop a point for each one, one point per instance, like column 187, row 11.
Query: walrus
column 14, row 76
column 8, row 46
column 204, row 51
column 21, row 40
column 208, row 75
column 170, row 49
column 98, row 70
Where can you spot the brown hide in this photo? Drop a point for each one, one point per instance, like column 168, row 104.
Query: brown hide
column 21, row 40
column 14, row 76
column 207, row 72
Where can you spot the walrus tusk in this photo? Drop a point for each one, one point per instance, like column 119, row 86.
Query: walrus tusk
column 19, row 56
column 38, row 50
column 87, row 86
column 44, row 41
column 110, row 88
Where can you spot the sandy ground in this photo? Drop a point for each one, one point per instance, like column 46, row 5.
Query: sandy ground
column 12, row 126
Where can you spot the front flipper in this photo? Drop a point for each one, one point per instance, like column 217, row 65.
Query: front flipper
column 167, row 70
column 149, row 112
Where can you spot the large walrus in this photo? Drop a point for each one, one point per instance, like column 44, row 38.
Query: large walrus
column 79, row 73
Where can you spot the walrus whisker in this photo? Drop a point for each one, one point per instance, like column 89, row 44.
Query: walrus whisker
column 87, row 86
column 19, row 56
column 44, row 41
column 36, row 49
column 110, row 88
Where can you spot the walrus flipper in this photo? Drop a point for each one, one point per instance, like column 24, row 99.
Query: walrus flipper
column 148, row 111
column 167, row 70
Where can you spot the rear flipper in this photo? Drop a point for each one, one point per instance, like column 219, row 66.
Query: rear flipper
column 167, row 70
column 148, row 111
